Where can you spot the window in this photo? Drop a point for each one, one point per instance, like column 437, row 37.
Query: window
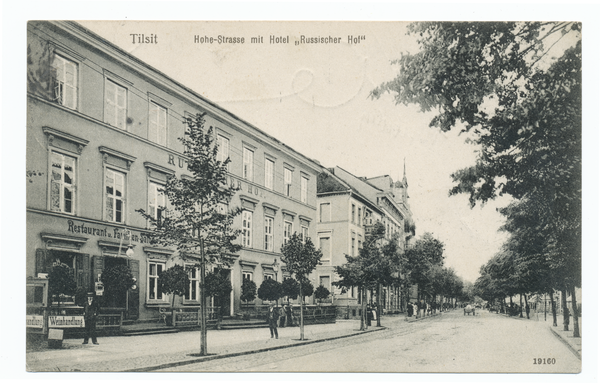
column 247, row 228
column 268, row 276
column 269, row 173
column 248, row 160
column 304, row 233
column 115, row 110
column 115, row 195
column 62, row 183
column 223, row 153
column 324, row 245
column 154, row 291
column 325, row 281
column 247, row 275
column 359, row 220
column 192, row 292
column 287, row 231
column 304, row 189
column 325, row 212
column 65, row 82
column 157, row 124
column 287, row 175
column 268, row 234
column 353, row 212
column 156, row 201
column 353, row 253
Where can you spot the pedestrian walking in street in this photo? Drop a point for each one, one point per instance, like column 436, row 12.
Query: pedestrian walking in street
column 282, row 317
column 289, row 315
column 273, row 318
column 409, row 309
column 90, row 315
column 369, row 315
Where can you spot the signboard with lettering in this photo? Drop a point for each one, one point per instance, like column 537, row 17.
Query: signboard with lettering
column 35, row 321
column 62, row 321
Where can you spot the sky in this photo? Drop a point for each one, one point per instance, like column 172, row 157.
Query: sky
column 315, row 98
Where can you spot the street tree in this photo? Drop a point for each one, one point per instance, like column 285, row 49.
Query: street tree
column 427, row 253
column 174, row 281
column 290, row 288
column 270, row 290
column 248, row 290
column 61, row 282
column 369, row 268
column 117, row 279
column 307, row 288
column 301, row 258
column 218, row 286
column 321, row 293
column 514, row 90
column 198, row 219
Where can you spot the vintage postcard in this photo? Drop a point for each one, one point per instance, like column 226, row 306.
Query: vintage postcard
column 304, row 196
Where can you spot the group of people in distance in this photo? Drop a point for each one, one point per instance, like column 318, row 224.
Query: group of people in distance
column 280, row 317
column 421, row 308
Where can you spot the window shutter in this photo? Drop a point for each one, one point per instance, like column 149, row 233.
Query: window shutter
column 43, row 262
column 97, row 267
column 83, row 271
column 134, row 294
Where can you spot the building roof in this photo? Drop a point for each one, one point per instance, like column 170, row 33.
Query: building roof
column 329, row 183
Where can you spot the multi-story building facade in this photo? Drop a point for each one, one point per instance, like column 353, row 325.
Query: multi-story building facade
column 348, row 208
column 102, row 138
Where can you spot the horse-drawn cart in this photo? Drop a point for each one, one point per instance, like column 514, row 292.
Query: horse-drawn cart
column 469, row 310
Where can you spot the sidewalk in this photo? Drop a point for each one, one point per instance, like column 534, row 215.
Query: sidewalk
column 150, row 352
column 574, row 344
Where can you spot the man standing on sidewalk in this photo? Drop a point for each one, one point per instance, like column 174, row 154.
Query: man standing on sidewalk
column 273, row 318
column 90, row 314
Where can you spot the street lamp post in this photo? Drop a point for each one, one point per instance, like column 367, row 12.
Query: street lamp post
column 276, row 269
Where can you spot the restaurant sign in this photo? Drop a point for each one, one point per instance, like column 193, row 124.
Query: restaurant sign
column 35, row 321
column 61, row 321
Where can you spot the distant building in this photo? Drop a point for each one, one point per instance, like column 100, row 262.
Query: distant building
column 348, row 206
column 102, row 137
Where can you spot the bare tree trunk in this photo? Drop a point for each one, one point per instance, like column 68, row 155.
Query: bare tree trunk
column 203, row 344
column 379, row 305
column 301, row 310
column 563, row 301
column 520, row 305
column 576, row 333
column 554, row 324
column 363, row 316
column 526, row 306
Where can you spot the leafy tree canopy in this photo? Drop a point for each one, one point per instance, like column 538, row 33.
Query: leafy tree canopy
column 499, row 82
column 61, row 281
column 198, row 217
column 322, row 293
column 217, row 284
column 174, row 280
column 300, row 257
column 270, row 290
column 248, row 290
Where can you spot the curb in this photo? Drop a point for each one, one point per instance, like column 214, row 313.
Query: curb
column 249, row 352
column 569, row 346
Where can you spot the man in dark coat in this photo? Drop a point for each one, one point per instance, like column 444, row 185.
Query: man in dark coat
column 273, row 318
column 90, row 315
